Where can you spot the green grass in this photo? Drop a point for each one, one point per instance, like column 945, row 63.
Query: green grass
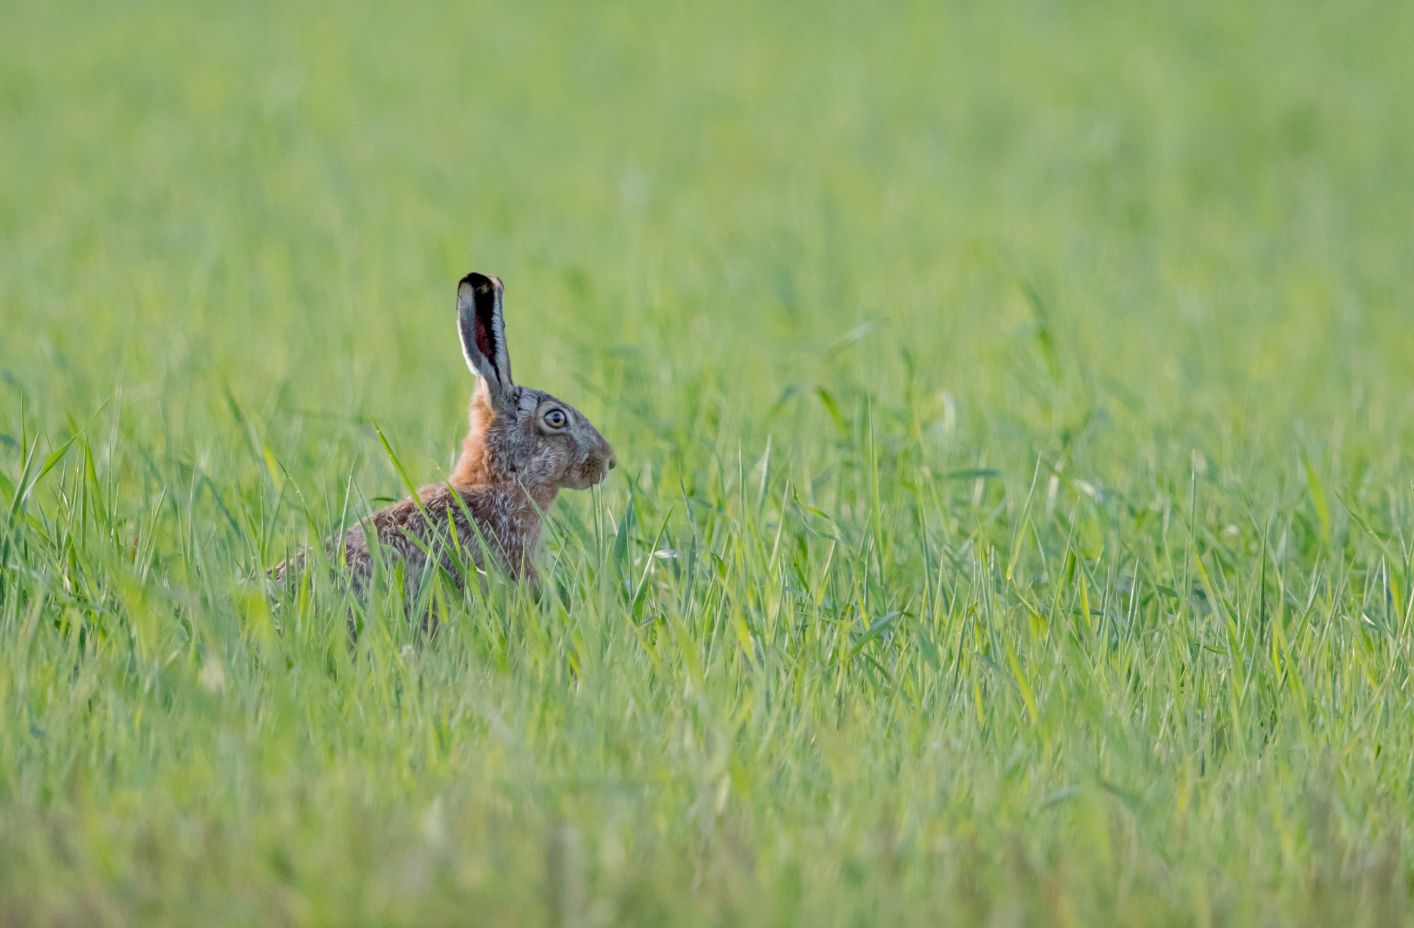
column 1014, row 525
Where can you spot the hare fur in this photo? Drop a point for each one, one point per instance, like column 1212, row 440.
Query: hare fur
column 522, row 448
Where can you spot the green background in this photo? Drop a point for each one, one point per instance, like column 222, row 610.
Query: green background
column 1013, row 408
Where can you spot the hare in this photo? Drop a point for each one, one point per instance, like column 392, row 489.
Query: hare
column 523, row 447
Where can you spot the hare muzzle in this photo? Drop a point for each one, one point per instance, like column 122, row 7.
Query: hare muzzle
column 594, row 467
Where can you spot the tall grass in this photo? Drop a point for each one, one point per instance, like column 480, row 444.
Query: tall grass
column 1013, row 405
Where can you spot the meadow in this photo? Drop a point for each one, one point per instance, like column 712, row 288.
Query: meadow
column 1014, row 520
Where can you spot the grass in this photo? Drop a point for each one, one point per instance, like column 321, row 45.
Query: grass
column 1013, row 407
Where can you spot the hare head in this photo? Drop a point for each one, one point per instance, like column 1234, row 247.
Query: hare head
column 518, row 435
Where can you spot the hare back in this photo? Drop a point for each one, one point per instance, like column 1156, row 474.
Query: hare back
column 451, row 528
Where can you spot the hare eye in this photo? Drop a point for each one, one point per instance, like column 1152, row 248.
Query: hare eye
column 556, row 419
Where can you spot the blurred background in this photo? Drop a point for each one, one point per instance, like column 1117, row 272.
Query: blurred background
column 1193, row 215
column 1013, row 408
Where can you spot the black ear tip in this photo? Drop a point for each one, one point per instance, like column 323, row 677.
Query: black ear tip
column 482, row 284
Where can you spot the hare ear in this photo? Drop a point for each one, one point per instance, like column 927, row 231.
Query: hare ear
column 483, row 331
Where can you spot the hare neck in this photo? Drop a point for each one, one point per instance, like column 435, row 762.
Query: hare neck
column 474, row 466
column 476, row 470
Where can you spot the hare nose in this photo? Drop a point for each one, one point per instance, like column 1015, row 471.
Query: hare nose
column 613, row 461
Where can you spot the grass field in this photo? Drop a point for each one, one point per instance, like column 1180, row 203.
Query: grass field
column 1015, row 515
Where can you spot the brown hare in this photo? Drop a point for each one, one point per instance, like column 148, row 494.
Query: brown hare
column 523, row 447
